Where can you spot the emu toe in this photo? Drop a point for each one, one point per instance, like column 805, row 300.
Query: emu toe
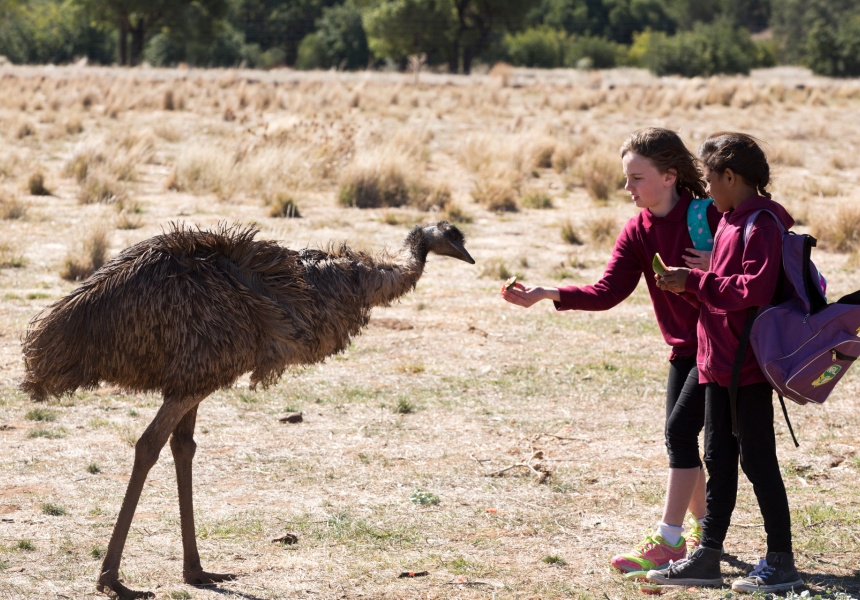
column 201, row 577
column 115, row 589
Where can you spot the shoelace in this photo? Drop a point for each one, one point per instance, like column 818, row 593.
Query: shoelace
column 649, row 542
column 762, row 569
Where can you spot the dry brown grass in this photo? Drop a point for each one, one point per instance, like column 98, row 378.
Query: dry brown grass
column 838, row 231
column 87, row 255
column 445, row 387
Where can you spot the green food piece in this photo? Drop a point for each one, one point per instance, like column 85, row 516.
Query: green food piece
column 509, row 284
column 658, row 265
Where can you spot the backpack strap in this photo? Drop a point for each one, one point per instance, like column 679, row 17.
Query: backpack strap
column 744, row 340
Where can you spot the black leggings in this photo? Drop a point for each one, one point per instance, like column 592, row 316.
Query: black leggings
column 685, row 413
column 755, row 446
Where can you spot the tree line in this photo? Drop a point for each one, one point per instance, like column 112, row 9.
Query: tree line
column 683, row 37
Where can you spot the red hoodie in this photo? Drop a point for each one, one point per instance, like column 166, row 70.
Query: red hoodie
column 740, row 277
column 642, row 237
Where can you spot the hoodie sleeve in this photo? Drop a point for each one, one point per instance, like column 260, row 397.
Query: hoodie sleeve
column 757, row 281
column 620, row 278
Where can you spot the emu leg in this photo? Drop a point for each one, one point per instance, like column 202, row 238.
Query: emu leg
column 183, row 446
column 146, row 452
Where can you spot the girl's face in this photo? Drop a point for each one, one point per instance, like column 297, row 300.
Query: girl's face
column 648, row 187
column 718, row 189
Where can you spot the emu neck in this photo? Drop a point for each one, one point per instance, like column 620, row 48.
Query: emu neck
column 387, row 280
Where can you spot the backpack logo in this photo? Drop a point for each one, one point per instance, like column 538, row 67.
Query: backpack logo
column 827, row 376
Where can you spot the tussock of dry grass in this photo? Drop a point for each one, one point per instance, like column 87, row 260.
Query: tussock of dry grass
column 101, row 186
column 11, row 205
column 37, row 185
column 497, row 190
column 601, row 175
column 839, row 232
column 603, row 230
column 88, row 254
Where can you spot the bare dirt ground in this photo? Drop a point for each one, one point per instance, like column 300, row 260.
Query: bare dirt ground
column 444, row 388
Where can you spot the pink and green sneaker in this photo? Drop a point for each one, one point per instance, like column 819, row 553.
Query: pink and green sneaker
column 653, row 553
column 694, row 537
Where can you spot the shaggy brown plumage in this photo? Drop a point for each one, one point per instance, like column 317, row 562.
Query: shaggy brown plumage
column 188, row 312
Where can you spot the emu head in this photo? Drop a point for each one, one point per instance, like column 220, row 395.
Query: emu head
column 441, row 238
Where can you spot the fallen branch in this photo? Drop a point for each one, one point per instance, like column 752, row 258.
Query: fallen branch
column 542, row 472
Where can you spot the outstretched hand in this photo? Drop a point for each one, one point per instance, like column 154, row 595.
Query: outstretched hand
column 525, row 296
column 698, row 259
column 674, row 279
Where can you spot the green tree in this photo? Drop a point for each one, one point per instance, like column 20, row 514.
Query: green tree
column 138, row 20
column 398, row 28
column 834, row 52
column 279, row 23
column 458, row 31
column 341, row 33
column 51, row 31
column 793, row 20
column 616, row 20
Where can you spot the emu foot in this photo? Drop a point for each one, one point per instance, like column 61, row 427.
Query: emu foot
column 201, row 577
column 113, row 588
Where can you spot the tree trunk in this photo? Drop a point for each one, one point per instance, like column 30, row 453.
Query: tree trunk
column 123, row 40
column 138, row 36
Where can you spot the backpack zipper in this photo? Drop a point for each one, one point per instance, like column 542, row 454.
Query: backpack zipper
column 837, row 355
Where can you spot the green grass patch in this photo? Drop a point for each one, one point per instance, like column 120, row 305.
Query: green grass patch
column 53, row 510
column 41, row 414
column 93, row 469
column 25, row 546
column 424, row 498
column 47, row 433
column 554, row 559
column 404, row 407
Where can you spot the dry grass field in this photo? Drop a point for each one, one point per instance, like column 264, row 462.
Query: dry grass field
column 392, row 469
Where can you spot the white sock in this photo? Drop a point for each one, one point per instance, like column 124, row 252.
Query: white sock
column 670, row 533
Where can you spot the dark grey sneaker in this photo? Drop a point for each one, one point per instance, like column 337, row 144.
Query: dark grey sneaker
column 699, row 568
column 774, row 573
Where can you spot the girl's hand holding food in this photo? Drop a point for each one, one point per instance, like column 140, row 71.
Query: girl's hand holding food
column 673, row 279
column 516, row 293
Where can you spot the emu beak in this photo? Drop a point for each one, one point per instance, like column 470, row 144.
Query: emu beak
column 461, row 253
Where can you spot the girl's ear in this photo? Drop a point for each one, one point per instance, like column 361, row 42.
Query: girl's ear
column 729, row 176
column 670, row 177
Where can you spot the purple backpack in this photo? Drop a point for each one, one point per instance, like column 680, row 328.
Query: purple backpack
column 803, row 345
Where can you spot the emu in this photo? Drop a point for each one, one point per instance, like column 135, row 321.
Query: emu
column 188, row 312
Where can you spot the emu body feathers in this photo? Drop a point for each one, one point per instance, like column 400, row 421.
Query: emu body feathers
column 189, row 311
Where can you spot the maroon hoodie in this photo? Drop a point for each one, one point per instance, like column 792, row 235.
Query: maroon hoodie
column 741, row 276
column 642, row 237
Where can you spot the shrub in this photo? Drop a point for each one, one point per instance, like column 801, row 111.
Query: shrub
column 590, row 52
column 536, row 47
column 707, row 49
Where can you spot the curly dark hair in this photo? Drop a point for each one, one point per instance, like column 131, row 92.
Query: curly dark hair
column 666, row 151
column 740, row 153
